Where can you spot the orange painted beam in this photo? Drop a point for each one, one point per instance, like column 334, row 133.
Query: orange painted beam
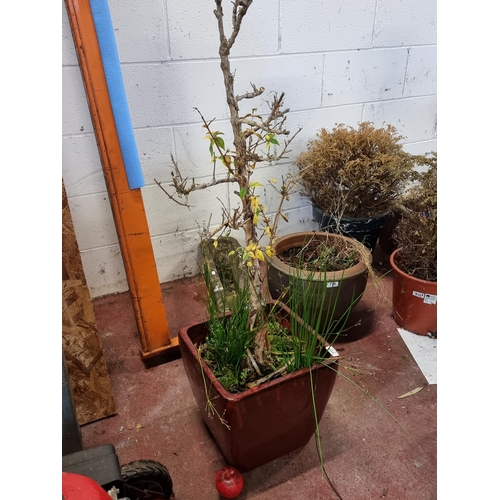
column 127, row 205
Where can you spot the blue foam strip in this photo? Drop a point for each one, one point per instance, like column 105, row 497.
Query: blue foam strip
column 111, row 62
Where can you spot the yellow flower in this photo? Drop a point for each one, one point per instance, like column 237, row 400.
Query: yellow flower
column 254, row 202
column 259, row 254
column 270, row 251
column 251, row 247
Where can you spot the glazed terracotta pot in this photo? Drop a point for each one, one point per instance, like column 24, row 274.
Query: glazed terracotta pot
column 363, row 229
column 414, row 301
column 265, row 422
column 344, row 288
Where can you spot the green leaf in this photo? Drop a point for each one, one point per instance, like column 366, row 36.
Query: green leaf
column 243, row 192
column 255, row 184
column 220, row 142
column 271, row 140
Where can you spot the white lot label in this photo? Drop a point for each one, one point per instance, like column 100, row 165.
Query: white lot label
column 332, row 351
column 332, row 284
column 430, row 299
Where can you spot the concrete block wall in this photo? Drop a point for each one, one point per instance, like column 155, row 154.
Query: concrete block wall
column 338, row 61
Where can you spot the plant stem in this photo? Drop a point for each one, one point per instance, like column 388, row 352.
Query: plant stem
column 241, row 164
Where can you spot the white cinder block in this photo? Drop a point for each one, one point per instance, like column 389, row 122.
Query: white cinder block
column 319, row 25
column 104, row 271
column 164, row 94
column 422, row 147
column 299, row 219
column 269, row 192
column 169, row 256
column 313, row 120
column 422, row 72
column 140, row 30
column 75, row 111
column 300, row 77
column 194, row 33
column 165, row 216
column 93, row 221
column 414, row 118
column 154, row 147
column 68, row 46
column 409, row 22
column 360, row 76
column 191, row 149
column 337, row 62
column 81, row 166
column 177, row 255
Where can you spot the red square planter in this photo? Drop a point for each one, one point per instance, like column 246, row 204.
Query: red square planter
column 265, row 422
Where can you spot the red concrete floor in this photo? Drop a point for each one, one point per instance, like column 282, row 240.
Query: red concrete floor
column 367, row 455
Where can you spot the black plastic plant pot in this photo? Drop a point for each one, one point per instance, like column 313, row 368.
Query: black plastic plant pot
column 386, row 237
column 364, row 229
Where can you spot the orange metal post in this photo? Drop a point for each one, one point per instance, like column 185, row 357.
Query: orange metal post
column 127, row 205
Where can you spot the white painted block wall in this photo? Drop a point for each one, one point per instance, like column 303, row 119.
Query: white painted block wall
column 338, row 61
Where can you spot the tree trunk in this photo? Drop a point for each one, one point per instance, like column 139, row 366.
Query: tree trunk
column 242, row 175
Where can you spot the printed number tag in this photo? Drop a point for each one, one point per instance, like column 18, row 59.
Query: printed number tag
column 430, row 299
column 332, row 284
column 332, row 351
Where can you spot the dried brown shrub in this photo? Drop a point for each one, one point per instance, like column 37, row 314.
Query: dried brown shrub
column 350, row 172
column 416, row 232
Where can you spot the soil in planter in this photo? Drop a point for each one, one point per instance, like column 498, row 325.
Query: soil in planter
column 318, row 257
column 236, row 378
column 423, row 267
column 416, row 234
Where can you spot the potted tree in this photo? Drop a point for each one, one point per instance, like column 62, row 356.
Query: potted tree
column 353, row 177
column 231, row 362
column 414, row 262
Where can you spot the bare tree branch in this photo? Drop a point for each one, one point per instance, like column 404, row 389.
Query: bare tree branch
column 277, row 130
column 170, row 196
column 222, row 154
column 180, row 184
column 250, row 95
column 253, row 140
column 240, row 8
